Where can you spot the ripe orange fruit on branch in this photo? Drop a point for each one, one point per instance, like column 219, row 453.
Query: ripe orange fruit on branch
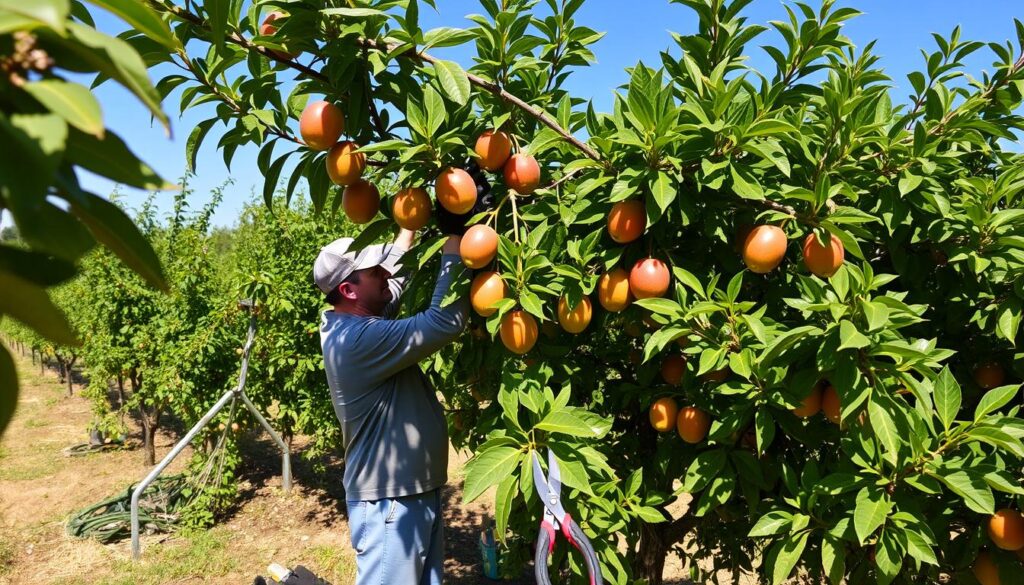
column 672, row 369
column 613, row 290
column 990, row 375
column 764, row 248
column 576, row 320
column 411, row 208
column 518, row 331
column 321, row 125
column 830, row 404
column 492, row 150
column 344, row 165
column 522, row 173
column 455, row 190
column 267, row 29
column 692, row 424
column 823, row 261
column 663, row 414
column 361, row 201
column 811, row 404
column 627, row 221
column 985, row 569
column 479, row 246
column 486, row 289
column 649, row 278
column 1006, row 529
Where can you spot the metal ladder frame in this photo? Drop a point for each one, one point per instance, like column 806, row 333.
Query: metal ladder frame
column 231, row 396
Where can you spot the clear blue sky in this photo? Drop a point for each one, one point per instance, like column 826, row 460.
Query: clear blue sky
column 636, row 30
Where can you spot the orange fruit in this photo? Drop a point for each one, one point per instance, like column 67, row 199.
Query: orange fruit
column 1006, row 529
column 764, row 248
column 411, row 208
column 486, row 289
column 811, row 404
column 830, row 404
column 821, row 260
column 613, row 290
column 663, row 414
column 518, row 331
column 672, row 369
column 492, row 150
column 344, row 164
column 576, row 320
column 985, row 569
column 627, row 221
column 692, row 424
column 479, row 246
column 267, row 29
column 361, row 201
column 988, row 376
column 321, row 125
column 522, row 173
column 649, row 278
column 455, row 190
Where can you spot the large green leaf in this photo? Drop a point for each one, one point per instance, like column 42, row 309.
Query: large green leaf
column 567, row 423
column 870, row 512
column 73, row 102
column 8, row 388
column 947, row 397
column 774, row 522
column 143, row 19
column 453, row 81
column 31, row 13
column 488, row 468
column 503, row 506
column 786, row 555
column 88, row 50
column 28, row 302
column 111, row 158
column 972, row 488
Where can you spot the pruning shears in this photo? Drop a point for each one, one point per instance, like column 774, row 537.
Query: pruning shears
column 549, row 488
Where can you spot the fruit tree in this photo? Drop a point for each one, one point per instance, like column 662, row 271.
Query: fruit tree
column 785, row 293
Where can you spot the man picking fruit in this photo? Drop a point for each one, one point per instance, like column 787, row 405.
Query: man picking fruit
column 393, row 427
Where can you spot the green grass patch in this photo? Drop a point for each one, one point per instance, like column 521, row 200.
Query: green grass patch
column 201, row 555
column 334, row 563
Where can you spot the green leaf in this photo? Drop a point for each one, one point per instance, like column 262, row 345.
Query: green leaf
column 774, row 522
column 745, row 184
column 73, row 102
column 871, row 511
column 217, row 18
column 705, row 467
column 787, row 555
column 876, row 314
column 353, row 12
column 972, row 488
column 8, row 388
column 885, row 429
column 453, row 81
column 489, row 467
column 435, row 110
column 28, row 302
column 947, row 397
column 271, row 178
column 919, row 548
column 567, row 423
column 768, row 127
column 143, row 19
column 851, row 338
column 89, row 49
column 447, row 36
column 195, row 140
column 503, row 506
column 908, row 182
column 833, row 558
column 115, row 230
column 995, row 399
column 663, row 190
column 51, row 13
column 111, row 158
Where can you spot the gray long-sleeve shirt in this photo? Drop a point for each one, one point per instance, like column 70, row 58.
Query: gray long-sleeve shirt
column 393, row 427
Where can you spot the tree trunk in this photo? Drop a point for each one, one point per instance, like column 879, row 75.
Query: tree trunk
column 120, row 391
column 68, row 365
column 149, row 423
column 649, row 563
column 42, row 364
column 33, row 356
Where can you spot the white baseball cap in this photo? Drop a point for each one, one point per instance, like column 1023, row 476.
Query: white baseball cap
column 335, row 262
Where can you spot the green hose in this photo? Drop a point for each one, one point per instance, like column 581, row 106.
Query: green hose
column 110, row 520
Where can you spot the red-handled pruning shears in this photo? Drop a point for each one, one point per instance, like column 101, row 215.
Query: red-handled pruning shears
column 549, row 488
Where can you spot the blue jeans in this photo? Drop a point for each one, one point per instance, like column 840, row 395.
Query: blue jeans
column 398, row 541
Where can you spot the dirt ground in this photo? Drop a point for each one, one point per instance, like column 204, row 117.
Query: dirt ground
column 40, row 488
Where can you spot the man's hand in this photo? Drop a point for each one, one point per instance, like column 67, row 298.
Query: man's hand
column 405, row 239
column 451, row 223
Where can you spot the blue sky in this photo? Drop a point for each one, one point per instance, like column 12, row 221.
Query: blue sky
column 636, row 30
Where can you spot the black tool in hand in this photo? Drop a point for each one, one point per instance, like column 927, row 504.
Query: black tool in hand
column 455, row 224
